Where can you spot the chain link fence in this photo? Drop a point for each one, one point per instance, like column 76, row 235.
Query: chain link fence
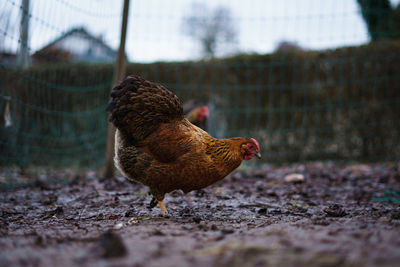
column 341, row 103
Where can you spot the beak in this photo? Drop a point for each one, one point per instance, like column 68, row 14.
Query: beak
column 258, row 155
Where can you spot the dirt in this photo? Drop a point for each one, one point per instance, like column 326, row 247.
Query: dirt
column 347, row 215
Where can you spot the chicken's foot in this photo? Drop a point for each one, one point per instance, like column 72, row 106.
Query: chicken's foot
column 164, row 211
column 152, row 203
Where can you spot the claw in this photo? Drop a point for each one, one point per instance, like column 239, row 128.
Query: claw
column 153, row 203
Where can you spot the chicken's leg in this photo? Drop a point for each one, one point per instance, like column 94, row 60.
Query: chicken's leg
column 164, row 211
column 152, row 204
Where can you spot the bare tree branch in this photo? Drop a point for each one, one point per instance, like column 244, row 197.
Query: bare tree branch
column 211, row 28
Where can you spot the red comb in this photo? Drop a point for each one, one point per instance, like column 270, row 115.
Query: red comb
column 256, row 143
column 204, row 110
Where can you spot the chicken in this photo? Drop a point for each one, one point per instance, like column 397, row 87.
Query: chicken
column 196, row 114
column 158, row 147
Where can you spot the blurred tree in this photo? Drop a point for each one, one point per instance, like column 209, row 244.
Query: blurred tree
column 381, row 18
column 287, row 46
column 211, row 28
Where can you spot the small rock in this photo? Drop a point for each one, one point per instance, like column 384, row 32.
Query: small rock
column 100, row 217
column 40, row 240
column 186, row 212
column 263, row 211
column 259, row 174
column 41, row 183
column 294, row 178
column 220, row 237
column 395, row 215
column 113, row 245
column 59, row 210
column 158, row 232
column 132, row 221
column 202, row 226
column 118, row 226
column 227, row 230
column 113, row 217
column 335, row 210
column 275, row 211
column 200, row 193
column 129, row 213
column 217, row 191
column 197, row 219
column 272, row 194
column 187, row 227
column 56, row 212
column 320, row 221
column 50, row 199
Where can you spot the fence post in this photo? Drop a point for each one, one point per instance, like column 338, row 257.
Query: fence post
column 23, row 55
column 119, row 73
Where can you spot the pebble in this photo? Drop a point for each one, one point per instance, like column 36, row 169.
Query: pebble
column 227, row 230
column 335, row 210
column 113, row 245
column 132, row 221
column 294, row 178
column 187, row 227
column 158, row 232
column 196, row 219
column 129, row 213
column 220, row 237
column 263, row 211
column 118, row 226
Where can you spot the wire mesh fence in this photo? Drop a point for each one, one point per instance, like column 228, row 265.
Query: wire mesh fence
column 301, row 103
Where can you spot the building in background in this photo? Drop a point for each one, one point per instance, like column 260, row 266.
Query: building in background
column 8, row 59
column 77, row 45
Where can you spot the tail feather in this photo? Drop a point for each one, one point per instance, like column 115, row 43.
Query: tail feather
column 138, row 107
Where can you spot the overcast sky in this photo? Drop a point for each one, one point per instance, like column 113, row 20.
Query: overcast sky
column 155, row 26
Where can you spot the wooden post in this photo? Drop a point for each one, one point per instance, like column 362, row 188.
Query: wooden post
column 119, row 74
column 23, row 55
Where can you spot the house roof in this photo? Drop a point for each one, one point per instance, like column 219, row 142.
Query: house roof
column 86, row 34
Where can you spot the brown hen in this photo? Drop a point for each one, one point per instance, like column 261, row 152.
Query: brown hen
column 158, row 147
column 197, row 114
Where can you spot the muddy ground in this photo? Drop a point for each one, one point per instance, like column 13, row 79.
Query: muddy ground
column 340, row 215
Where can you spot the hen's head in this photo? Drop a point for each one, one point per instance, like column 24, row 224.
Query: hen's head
column 202, row 113
column 198, row 115
column 250, row 149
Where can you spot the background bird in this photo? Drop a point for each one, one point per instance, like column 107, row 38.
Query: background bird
column 158, row 147
column 196, row 113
